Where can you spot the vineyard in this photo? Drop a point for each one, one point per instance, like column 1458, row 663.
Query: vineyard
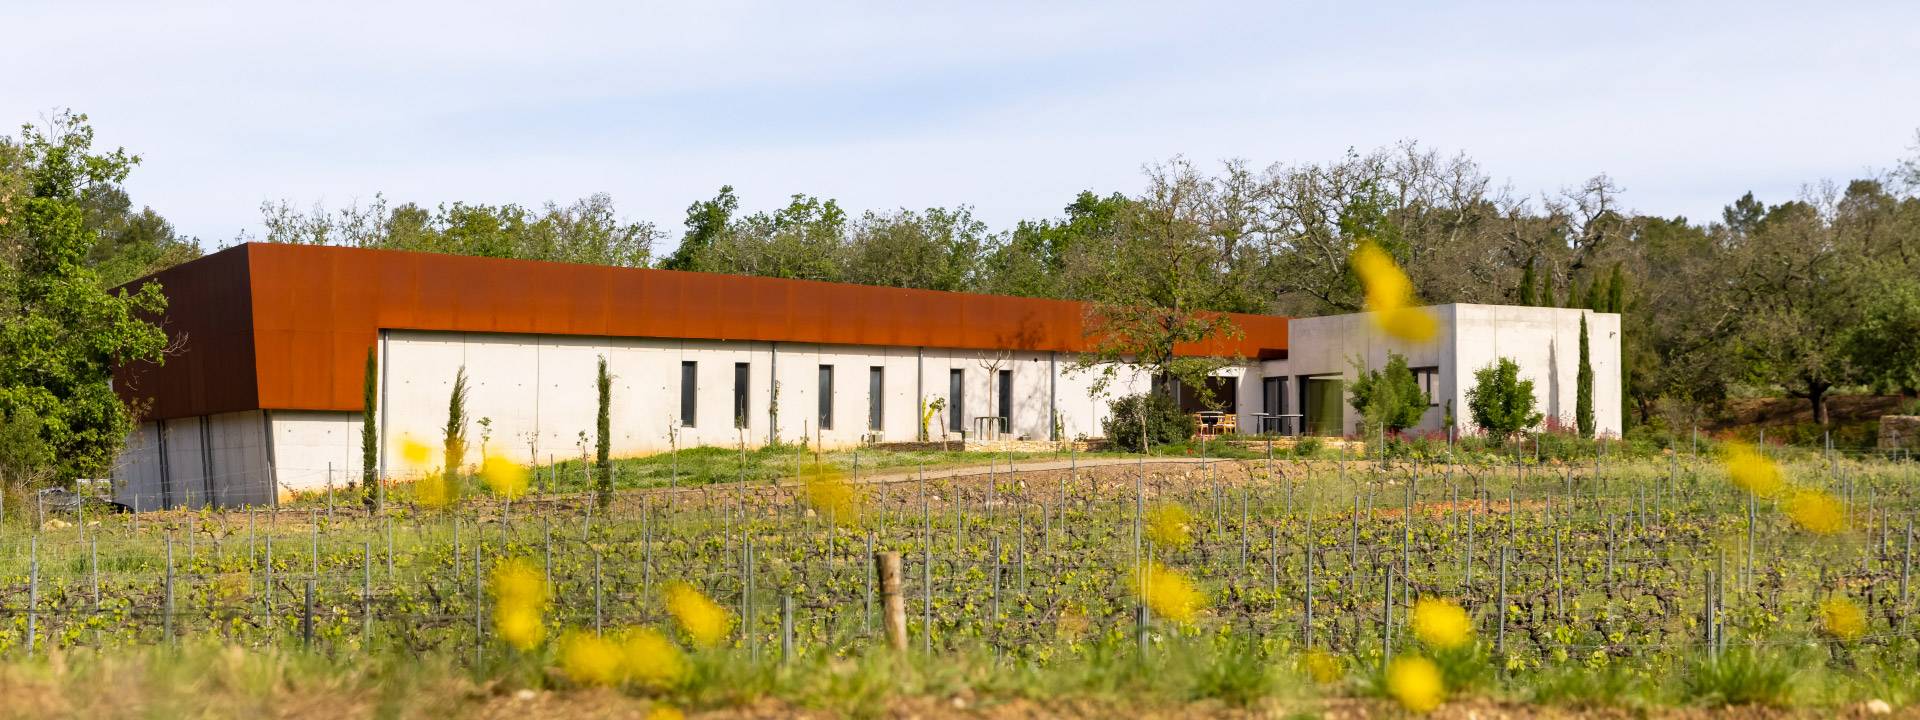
column 1314, row 585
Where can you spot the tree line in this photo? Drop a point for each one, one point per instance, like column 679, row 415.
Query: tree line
column 1799, row 295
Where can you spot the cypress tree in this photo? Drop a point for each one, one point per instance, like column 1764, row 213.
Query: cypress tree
column 369, row 435
column 1596, row 296
column 1546, row 289
column 1526, row 286
column 1573, row 292
column 1616, row 291
column 603, row 470
column 1583, row 398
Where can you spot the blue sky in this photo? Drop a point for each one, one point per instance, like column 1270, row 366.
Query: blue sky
column 1010, row 108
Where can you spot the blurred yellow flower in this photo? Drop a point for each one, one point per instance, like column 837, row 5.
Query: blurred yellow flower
column 589, row 659
column 829, row 493
column 700, row 618
column 1441, row 624
column 504, row 477
column 663, row 712
column 414, row 453
column 1170, row 525
column 651, row 659
column 434, row 490
column 1751, row 470
column 1322, row 666
column 520, row 598
column 1389, row 295
column 1416, row 683
column 519, row 626
column 1842, row 619
column 1168, row 593
column 1816, row 512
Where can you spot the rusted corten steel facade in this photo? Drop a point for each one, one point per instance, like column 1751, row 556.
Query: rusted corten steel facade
column 288, row 327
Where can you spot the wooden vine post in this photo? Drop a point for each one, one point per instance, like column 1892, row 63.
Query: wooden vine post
column 893, row 606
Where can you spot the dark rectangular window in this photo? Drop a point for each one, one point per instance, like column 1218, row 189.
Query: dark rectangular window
column 741, row 372
column 689, row 391
column 826, row 397
column 957, row 400
column 1429, row 380
column 876, row 392
column 1005, row 409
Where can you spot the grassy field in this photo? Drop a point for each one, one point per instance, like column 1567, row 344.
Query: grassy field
column 1311, row 586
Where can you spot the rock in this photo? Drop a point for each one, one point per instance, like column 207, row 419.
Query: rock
column 523, row 695
column 56, row 524
column 1877, row 706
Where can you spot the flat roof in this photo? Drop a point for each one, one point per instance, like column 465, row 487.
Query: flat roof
column 287, row 327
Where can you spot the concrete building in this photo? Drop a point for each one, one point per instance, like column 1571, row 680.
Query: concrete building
column 263, row 396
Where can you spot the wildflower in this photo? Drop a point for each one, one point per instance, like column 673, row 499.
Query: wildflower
column 1816, row 512
column 434, row 490
column 663, row 712
column 832, row 496
column 1752, row 471
column 589, row 659
column 503, row 477
column 650, row 659
column 1416, row 683
column 520, row 597
column 1322, row 666
column 1168, row 593
column 700, row 618
column 1441, row 624
column 1170, row 525
column 1842, row 619
column 1390, row 295
column 416, row 454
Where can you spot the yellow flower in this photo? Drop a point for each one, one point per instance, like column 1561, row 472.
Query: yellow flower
column 1751, row 470
column 650, row 659
column 504, row 477
column 662, row 712
column 589, row 659
column 1416, row 683
column 520, row 598
column 1168, row 593
column 416, row 454
column 1842, row 619
column 434, row 490
column 1390, row 295
column 700, row 618
column 1170, row 525
column 832, row 496
column 1817, row 512
column 519, row 626
column 1441, row 624
column 1322, row 666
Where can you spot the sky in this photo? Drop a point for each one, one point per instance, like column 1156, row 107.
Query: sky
column 1010, row 108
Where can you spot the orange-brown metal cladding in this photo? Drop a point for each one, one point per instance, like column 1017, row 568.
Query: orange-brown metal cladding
column 298, row 340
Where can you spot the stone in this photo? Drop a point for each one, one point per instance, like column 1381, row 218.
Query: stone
column 1900, row 431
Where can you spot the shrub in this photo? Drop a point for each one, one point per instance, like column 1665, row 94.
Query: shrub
column 1390, row 398
column 1166, row 425
column 1500, row 402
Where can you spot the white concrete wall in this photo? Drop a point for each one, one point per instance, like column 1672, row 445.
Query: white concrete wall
column 313, row 450
column 220, row 459
column 537, row 393
column 1544, row 342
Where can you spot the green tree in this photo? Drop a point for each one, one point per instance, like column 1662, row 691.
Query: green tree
column 370, row 482
column 1501, row 403
column 1164, row 423
column 1583, row 386
column 1616, row 301
column 603, row 444
column 1527, row 282
column 706, row 221
column 61, row 332
column 456, row 433
column 1389, row 399
column 1154, row 288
